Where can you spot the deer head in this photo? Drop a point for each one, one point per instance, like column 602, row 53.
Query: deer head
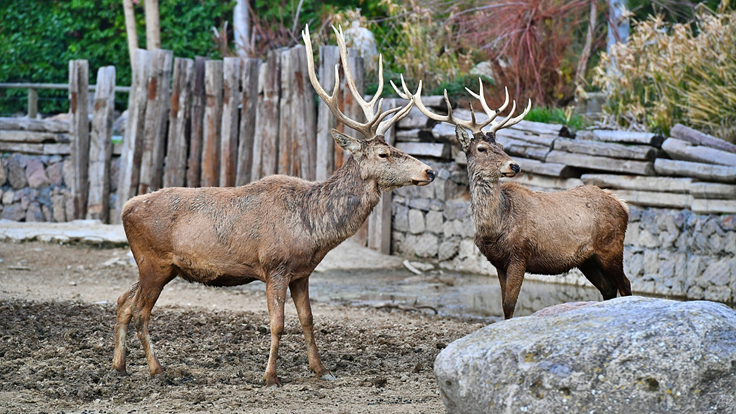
column 485, row 156
column 387, row 165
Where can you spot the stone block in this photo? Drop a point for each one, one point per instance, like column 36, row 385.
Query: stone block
column 426, row 245
column 36, row 174
column 634, row 213
column 434, row 222
column 448, row 248
column 633, row 264
column 457, row 209
column 401, row 218
column 720, row 273
column 668, row 239
column 54, row 173
column 416, row 221
column 716, row 243
column 423, row 204
column 719, row 293
column 666, row 268
column 632, row 234
column 3, row 174
column 34, row 213
column 58, row 208
column 67, row 171
column 17, row 171
column 648, row 239
column 8, row 197
column 728, row 222
column 13, row 212
column 46, row 212
column 651, row 262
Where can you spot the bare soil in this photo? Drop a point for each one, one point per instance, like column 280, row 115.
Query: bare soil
column 57, row 312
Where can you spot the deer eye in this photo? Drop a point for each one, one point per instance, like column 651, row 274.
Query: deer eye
column 383, row 155
column 482, row 149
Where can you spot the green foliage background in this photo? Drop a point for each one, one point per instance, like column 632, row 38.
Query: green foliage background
column 38, row 38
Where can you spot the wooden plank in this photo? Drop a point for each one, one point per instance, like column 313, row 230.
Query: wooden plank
column 713, row 191
column 26, row 148
column 605, row 149
column 682, row 150
column 32, row 103
column 407, row 135
column 541, row 181
column 157, row 115
column 229, row 128
column 304, row 162
column 415, row 119
column 546, row 168
column 130, row 160
column 100, row 150
column 33, row 137
column 698, row 138
column 212, row 123
column 425, row 149
column 622, row 137
column 705, row 172
column 249, row 104
column 194, row 162
column 446, row 132
column 655, row 199
column 79, row 108
column 267, row 118
column 379, row 221
column 523, row 149
column 179, row 130
column 601, row 163
column 637, row 182
column 701, row 206
column 286, row 142
column 37, row 125
column 329, row 56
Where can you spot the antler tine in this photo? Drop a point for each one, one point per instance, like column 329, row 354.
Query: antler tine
column 511, row 121
column 481, row 97
column 368, row 106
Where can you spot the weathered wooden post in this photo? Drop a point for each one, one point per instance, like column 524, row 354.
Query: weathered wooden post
column 100, row 149
column 379, row 222
column 130, row 160
column 329, row 56
column 179, row 131
column 267, row 118
column 229, row 128
column 304, row 116
column 194, row 171
column 212, row 120
column 78, row 96
column 286, row 120
column 157, row 115
column 247, row 120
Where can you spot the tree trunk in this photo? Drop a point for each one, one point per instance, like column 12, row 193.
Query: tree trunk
column 153, row 26
column 585, row 54
column 130, row 29
column 241, row 24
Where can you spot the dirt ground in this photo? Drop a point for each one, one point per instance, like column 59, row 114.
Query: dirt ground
column 57, row 315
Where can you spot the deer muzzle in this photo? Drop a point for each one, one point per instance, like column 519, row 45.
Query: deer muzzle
column 510, row 169
column 429, row 173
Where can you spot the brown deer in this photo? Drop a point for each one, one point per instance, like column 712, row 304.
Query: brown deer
column 275, row 230
column 519, row 230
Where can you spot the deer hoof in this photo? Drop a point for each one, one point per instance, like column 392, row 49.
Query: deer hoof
column 328, row 377
column 118, row 373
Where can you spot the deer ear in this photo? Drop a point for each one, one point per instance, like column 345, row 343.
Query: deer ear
column 347, row 143
column 462, row 137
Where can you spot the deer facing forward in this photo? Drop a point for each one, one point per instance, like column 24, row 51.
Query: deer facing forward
column 276, row 230
column 519, row 230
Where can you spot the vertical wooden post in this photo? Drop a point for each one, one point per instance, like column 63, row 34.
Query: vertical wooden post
column 305, row 117
column 157, row 115
column 176, row 149
column 212, row 120
column 78, row 95
column 379, row 221
column 249, row 102
column 267, row 118
column 286, row 121
column 329, row 56
column 100, row 149
column 229, row 128
column 130, row 159
column 32, row 103
column 352, row 110
column 194, row 171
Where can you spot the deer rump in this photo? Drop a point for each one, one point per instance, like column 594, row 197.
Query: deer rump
column 226, row 236
column 594, row 221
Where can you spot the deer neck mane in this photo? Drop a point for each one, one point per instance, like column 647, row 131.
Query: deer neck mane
column 487, row 203
column 338, row 206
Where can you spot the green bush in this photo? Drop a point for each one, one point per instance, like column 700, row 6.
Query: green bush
column 38, row 38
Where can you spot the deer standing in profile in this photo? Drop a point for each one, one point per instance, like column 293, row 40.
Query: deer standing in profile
column 519, row 230
column 276, row 230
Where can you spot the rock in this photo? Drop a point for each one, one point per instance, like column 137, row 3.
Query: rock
column 17, row 171
column 629, row 354
column 434, row 222
column 36, row 173
column 448, row 248
column 457, row 209
column 3, row 175
column 34, row 213
column 401, row 219
column 58, row 208
column 13, row 212
column 720, row 272
column 67, row 171
column 426, row 245
column 416, row 222
column 8, row 197
column 54, row 173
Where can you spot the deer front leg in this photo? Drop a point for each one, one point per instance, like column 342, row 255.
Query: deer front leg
column 514, row 278
column 300, row 294
column 276, row 296
column 124, row 315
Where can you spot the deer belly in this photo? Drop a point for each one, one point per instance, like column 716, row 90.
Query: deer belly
column 210, row 273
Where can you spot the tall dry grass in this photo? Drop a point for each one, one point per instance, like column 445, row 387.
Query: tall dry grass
column 675, row 73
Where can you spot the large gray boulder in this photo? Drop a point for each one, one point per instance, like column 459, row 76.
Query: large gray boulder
column 626, row 355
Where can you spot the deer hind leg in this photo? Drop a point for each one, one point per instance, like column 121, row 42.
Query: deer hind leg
column 510, row 292
column 592, row 271
column 300, row 295
column 275, row 296
column 613, row 270
column 124, row 315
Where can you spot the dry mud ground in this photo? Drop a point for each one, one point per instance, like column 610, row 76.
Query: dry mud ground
column 56, row 341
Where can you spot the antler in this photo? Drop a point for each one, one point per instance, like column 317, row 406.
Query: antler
column 376, row 124
column 472, row 124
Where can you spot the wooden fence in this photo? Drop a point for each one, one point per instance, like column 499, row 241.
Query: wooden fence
column 199, row 122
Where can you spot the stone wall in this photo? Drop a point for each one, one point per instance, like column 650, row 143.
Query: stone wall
column 668, row 252
column 35, row 188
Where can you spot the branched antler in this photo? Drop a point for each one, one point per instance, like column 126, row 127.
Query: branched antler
column 377, row 123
